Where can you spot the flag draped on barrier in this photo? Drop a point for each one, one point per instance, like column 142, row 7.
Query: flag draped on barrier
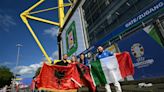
column 104, row 70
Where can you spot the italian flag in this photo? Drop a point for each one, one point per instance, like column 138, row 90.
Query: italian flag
column 110, row 69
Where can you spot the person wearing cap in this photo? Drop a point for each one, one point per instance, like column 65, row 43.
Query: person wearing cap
column 103, row 54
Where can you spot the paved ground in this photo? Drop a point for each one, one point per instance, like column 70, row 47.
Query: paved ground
column 128, row 86
column 132, row 86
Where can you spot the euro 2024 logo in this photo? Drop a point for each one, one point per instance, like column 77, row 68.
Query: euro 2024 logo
column 137, row 51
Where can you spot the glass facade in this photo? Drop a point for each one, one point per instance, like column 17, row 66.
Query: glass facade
column 103, row 16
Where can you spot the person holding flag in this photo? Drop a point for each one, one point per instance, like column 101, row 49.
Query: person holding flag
column 64, row 61
column 103, row 54
column 83, row 59
column 73, row 59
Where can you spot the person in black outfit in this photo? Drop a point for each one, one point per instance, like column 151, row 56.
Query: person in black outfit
column 64, row 61
column 83, row 59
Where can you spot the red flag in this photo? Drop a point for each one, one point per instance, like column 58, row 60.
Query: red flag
column 55, row 77
column 86, row 77
column 125, row 64
column 58, row 77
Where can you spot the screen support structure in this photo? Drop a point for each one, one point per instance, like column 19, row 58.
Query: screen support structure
column 27, row 14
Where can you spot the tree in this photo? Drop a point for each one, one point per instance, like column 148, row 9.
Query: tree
column 5, row 76
column 37, row 72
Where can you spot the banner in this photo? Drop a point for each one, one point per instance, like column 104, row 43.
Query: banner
column 146, row 51
column 154, row 33
column 73, row 36
column 71, row 39
column 112, row 48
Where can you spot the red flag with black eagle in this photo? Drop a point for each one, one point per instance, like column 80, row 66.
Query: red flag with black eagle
column 58, row 77
column 85, row 76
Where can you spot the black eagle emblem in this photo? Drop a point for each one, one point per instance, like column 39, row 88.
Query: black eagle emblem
column 59, row 75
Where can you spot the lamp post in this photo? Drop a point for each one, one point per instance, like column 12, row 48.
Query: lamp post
column 13, row 87
column 18, row 54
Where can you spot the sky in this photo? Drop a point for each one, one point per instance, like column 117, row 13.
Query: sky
column 13, row 31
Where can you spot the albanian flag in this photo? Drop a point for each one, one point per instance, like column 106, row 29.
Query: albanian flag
column 56, row 77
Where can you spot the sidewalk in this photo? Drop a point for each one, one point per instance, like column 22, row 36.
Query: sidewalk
column 132, row 86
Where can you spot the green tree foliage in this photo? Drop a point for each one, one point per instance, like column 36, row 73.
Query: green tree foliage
column 37, row 72
column 5, row 76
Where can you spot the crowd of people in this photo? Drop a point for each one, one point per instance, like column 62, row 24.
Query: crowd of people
column 65, row 61
column 82, row 59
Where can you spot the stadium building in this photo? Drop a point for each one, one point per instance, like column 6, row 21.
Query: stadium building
column 136, row 26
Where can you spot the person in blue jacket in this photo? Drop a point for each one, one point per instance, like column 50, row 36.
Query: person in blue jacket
column 103, row 54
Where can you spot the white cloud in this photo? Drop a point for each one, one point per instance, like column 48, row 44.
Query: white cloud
column 24, row 70
column 6, row 21
column 55, row 55
column 53, row 31
column 31, row 69
column 28, row 69
column 6, row 63
column 44, row 58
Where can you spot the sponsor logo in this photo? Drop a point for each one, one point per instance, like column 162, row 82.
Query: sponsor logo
column 137, row 51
